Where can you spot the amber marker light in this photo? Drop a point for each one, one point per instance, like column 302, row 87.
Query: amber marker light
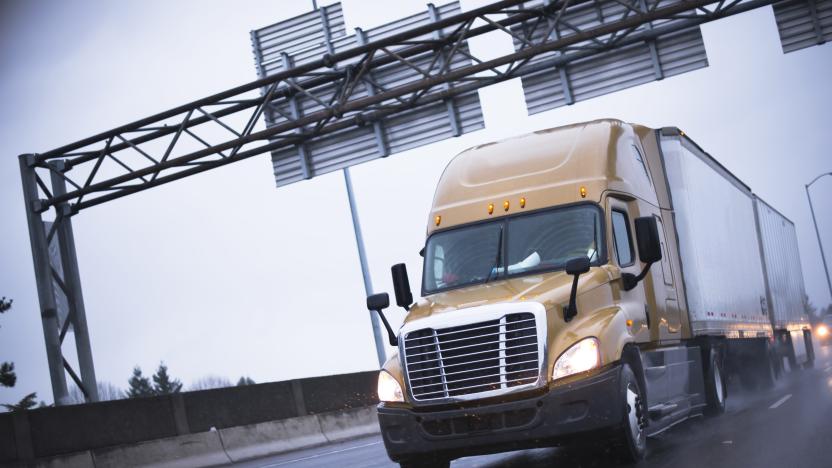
column 490, row 208
column 629, row 323
column 505, row 205
column 523, row 202
column 437, row 220
column 583, row 191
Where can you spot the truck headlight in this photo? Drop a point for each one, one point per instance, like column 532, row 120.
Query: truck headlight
column 580, row 357
column 389, row 388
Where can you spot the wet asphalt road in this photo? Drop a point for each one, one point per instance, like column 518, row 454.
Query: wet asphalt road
column 788, row 426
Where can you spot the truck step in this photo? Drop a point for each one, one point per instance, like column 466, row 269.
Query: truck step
column 661, row 410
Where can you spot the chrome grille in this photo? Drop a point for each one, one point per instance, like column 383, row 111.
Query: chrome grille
column 472, row 358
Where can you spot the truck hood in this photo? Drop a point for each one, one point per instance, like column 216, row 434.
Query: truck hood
column 549, row 289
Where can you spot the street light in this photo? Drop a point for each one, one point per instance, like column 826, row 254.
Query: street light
column 817, row 232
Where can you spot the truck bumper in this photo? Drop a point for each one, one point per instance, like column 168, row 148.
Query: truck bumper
column 564, row 412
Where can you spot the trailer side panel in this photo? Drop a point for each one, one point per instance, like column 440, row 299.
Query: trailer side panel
column 718, row 243
column 784, row 276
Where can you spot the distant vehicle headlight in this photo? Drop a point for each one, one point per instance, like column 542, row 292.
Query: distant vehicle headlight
column 822, row 331
column 389, row 388
column 580, row 357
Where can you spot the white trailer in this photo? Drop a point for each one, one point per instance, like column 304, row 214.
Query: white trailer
column 784, row 283
column 721, row 265
column 740, row 265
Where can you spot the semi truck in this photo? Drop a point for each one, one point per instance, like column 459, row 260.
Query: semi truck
column 597, row 282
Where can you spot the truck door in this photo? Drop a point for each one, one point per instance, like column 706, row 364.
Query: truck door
column 671, row 325
column 623, row 253
column 657, row 295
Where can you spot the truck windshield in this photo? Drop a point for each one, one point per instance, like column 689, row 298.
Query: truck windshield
column 517, row 245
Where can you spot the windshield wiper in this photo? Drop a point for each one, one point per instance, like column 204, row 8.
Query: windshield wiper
column 497, row 260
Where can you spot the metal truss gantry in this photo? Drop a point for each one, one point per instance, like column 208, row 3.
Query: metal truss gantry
column 184, row 141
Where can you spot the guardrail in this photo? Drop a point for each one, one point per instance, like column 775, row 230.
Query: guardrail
column 116, row 430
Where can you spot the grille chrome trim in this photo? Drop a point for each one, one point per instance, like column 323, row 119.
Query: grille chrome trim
column 470, row 329
column 447, row 364
column 499, row 342
column 477, row 369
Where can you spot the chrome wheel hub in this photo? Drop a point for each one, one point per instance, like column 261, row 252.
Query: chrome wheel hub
column 635, row 415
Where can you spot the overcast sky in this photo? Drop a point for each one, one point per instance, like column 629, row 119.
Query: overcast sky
column 224, row 274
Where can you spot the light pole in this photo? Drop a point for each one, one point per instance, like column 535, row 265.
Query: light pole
column 817, row 232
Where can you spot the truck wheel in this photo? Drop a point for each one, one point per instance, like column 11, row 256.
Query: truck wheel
column 715, row 386
column 426, row 462
column 790, row 353
column 632, row 440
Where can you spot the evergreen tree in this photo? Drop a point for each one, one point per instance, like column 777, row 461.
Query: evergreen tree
column 5, row 305
column 245, row 381
column 28, row 402
column 139, row 385
column 7, row 376
column 163, row 384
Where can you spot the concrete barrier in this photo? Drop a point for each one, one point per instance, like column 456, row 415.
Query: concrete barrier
column 252, row 420
column 223, row 446
column 349, row 424
column 75, row 460
column 203, row 449
column 260, row 440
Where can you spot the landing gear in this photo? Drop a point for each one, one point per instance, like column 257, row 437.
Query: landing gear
column 632, row 439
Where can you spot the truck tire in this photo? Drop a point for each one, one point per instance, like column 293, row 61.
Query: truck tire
column 790, row 353
column 631, row 441
column 716, row 389
column 425, row 462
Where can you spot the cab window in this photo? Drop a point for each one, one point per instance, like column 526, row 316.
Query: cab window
column 621, row 237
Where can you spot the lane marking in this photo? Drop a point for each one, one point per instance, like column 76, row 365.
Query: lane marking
column 780, row 401
column 319, row 455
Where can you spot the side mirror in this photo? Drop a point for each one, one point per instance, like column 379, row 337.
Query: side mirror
column 377, row 303
column 577, row 266
column 647, row 235
column 574, row 267
column 401, row 286
column 649, row 249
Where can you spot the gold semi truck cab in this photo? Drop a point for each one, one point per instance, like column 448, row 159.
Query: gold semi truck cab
column 552, row 303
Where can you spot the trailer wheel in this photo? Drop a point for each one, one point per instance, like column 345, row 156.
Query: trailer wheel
column 631, row 441
column 790, row 353
column 715, row 385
